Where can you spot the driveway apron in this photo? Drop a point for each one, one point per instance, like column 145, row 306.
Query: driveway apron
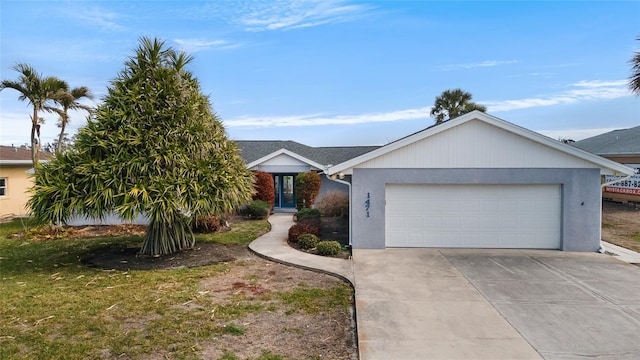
column 415, row 304
column 495, row 304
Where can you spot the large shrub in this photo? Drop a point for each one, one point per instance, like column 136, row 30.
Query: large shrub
column 307, row 189
column 264, row 187
column 302, row 228
column 334, row 203
column 307, row 241
column 258, row 209
column 153, row 146
column 328, row 248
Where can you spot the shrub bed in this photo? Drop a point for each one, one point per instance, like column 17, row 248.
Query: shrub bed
column 307, row 241
column 302, row 228
column 328, row 248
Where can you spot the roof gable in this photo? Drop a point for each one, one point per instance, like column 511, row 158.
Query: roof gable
column 478, row 140
column 257, row 151
column 284, row 157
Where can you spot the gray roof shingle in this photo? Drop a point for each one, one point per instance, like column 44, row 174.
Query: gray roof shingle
column 252, row 150
column 616, row 142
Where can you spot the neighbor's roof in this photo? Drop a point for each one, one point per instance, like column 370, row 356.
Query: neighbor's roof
column 252, row 150
column 616, row 142
column 11, row 155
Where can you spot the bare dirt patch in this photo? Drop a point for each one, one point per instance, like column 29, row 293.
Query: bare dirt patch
column 621, row 225
column 126, row 258
column 290, row 332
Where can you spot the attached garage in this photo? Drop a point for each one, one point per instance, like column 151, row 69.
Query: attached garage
column 473, row 216
column 477, row 181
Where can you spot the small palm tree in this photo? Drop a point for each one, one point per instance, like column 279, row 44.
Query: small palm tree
column 39, row 91
column 634, row 79
column 453, row 103
column 69, row 101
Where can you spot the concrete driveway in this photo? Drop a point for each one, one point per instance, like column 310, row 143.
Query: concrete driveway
column 495, row 304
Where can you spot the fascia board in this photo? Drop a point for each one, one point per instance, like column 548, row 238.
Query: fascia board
column 607, row 166
column 288, row 153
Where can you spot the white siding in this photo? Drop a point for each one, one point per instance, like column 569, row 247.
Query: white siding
column 476, row 144
column 283, row 159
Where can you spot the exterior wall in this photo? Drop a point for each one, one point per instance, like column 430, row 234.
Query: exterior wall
column 475, row 144
column 328, row 186
column 581, row 200
column 280, row 169
column 18, row 185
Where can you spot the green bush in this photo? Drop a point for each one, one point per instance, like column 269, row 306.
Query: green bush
column 302, row 228
column 328, row 248
column 307, row 241
column 258, row 209
column 307, row 213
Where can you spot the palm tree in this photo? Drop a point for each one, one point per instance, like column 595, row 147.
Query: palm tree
column 453, row 103
column 38, row 91
column 69, row 101
column 634, row 79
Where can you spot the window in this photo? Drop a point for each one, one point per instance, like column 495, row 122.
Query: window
column 3, row 186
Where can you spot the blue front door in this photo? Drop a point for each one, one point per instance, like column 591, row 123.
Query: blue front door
column 284, row 190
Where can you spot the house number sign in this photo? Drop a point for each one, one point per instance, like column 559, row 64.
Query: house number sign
column 367, row 204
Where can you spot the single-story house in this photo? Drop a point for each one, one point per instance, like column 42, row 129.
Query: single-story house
column 622, row 146
column 285, row 159
column 16, row 169
column 474, row 181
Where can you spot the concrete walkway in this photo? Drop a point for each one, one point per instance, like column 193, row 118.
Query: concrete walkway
column 621, row 253
column 273, row 246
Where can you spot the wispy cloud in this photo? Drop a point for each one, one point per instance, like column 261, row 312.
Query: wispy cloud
column 104, row 19
column 486, row 63
column 321, row 119
column 582, row 91
column 291, row 14
column 578, row 92
column 284, row 15
column 195, row 45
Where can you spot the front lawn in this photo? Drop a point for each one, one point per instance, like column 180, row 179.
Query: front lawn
column 53, row 306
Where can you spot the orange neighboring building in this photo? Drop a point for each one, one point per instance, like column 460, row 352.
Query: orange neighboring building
column 16, row 170
column 622, row 146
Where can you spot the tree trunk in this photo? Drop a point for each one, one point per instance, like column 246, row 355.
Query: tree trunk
column 59, row 145
column 167, row 237
column 34, row 145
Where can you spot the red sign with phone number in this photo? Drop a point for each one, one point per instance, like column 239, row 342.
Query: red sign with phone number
column 620, row 190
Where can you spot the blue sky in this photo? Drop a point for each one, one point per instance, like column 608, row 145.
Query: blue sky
column 328, row 73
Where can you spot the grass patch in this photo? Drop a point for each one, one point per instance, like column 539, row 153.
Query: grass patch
column 314, row 300
column 238, row 235
column 636, row 237
column 54, row 307
column 234, row 330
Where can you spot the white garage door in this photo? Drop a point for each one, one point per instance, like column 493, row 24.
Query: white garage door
column 475, row 216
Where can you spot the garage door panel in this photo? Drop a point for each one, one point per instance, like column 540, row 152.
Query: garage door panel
column 489, row 216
